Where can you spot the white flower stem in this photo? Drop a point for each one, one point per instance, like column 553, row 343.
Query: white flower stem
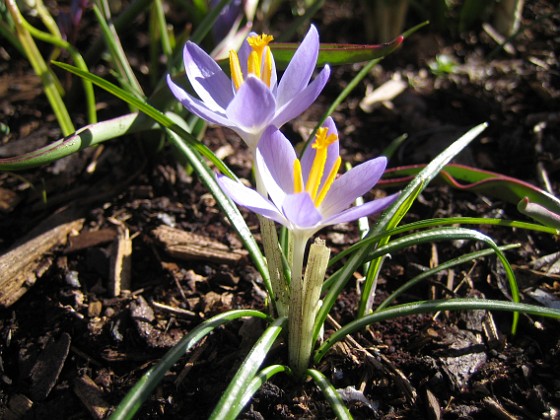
column 304, row 300
column 273, row 258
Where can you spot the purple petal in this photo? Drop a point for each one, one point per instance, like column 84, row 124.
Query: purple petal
column 367, row 209
column 250, row 199
column 253, row 106
column 301, row 67
column 300, row 211
column 332, row 153
column 196, row 106
column 244, row 52
column 207, row 78
column 302, row 101
column 275, row 160
column 353, row 184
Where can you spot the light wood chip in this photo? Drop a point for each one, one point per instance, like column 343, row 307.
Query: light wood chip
column 120, row 269
column 24, row 264
column 92, row 397
column 190, row 246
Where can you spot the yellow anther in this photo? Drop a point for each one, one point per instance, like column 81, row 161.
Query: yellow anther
column 267, row 70
column 235, row 69
column 328, row 182
column 254, row 64
column 322, row 142
column 298, row 177
column 316, row 173
column 259, row 55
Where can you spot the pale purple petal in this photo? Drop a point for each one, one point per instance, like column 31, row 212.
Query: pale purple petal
column 276, row 156
column 300, row 211
column 332, row 152
column 367, row 209
column 244, row 52
column 196, row 106
column 250, row 199
column 269, row 177
column 253, row 106
column 353, row 184
column 301, row 67
column 207, row 78
column 303, row 100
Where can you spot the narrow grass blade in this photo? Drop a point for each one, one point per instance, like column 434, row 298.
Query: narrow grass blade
column 7, row 32
column 144, row 387
column 260, row 378
column 374, row 268
column 116, row 50
column 152, row 112
column 78, row 60
column 331, row 395
column 48, row 78
column 448, row 234
column 432, row 306
column 230, row 405
column 86, row 136
column 397, row 211
column 160, row 42
column 122, row 21
column 430, row 223
column 444, row 266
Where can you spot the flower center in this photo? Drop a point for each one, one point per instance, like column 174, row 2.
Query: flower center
column 312, row 184
column 259, row 62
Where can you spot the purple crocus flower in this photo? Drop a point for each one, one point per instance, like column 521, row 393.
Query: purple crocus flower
column 252, row 99
column 230, row 14
column 305, row 195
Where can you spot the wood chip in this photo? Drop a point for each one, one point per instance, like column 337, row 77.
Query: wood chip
column 92, row 397
column 24, row 264
column 120, row 268
column 90, row 239
column 432, row 406
column 190, row 246
column 497, row 410
column 8, row 200
column 18, row 406
column 44, row 373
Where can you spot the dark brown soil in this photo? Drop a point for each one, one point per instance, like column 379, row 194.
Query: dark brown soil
column 67, row 337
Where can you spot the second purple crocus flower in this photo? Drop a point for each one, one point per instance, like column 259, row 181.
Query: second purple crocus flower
column 305, row 195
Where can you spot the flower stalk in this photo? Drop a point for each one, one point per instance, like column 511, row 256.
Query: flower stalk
column 278, row 282
column 304, row 300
